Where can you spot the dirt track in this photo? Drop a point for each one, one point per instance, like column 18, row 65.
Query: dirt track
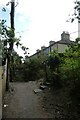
column 24, row 103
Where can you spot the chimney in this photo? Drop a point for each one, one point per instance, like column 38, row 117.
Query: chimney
column 65, row 36
column 51, row 42
column 43, row 47
column 37, row 50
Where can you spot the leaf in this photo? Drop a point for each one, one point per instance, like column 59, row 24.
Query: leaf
column 7, row 4
column 23, row 48
column 4, row 10
column 72, row 20
column 17, row 43
column 76, row 7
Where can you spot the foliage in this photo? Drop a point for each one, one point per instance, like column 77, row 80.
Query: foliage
column 7, row 38
column 53, row 60
column 76, row 14
column 53, row 63
column 45, row 67
column 70, row 68
column 31, row 70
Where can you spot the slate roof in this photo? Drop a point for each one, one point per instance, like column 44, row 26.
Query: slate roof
column 65, row 42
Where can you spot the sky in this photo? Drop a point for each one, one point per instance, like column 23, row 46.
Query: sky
column 40, row 21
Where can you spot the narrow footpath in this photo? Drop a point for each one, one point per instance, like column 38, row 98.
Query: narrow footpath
column 22, row 102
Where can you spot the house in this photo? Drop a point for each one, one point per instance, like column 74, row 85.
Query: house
column 60, row 46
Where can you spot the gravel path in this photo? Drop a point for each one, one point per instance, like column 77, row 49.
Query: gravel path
column 22, row 102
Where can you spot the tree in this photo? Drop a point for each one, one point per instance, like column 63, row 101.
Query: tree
column 76, row 14
column 70, row 68
column 6, row 39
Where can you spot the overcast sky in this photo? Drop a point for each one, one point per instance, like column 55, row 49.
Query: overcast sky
column 39, row 21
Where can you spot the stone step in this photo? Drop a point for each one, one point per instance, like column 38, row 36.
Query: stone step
column 43, row 87
column 37, row 90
